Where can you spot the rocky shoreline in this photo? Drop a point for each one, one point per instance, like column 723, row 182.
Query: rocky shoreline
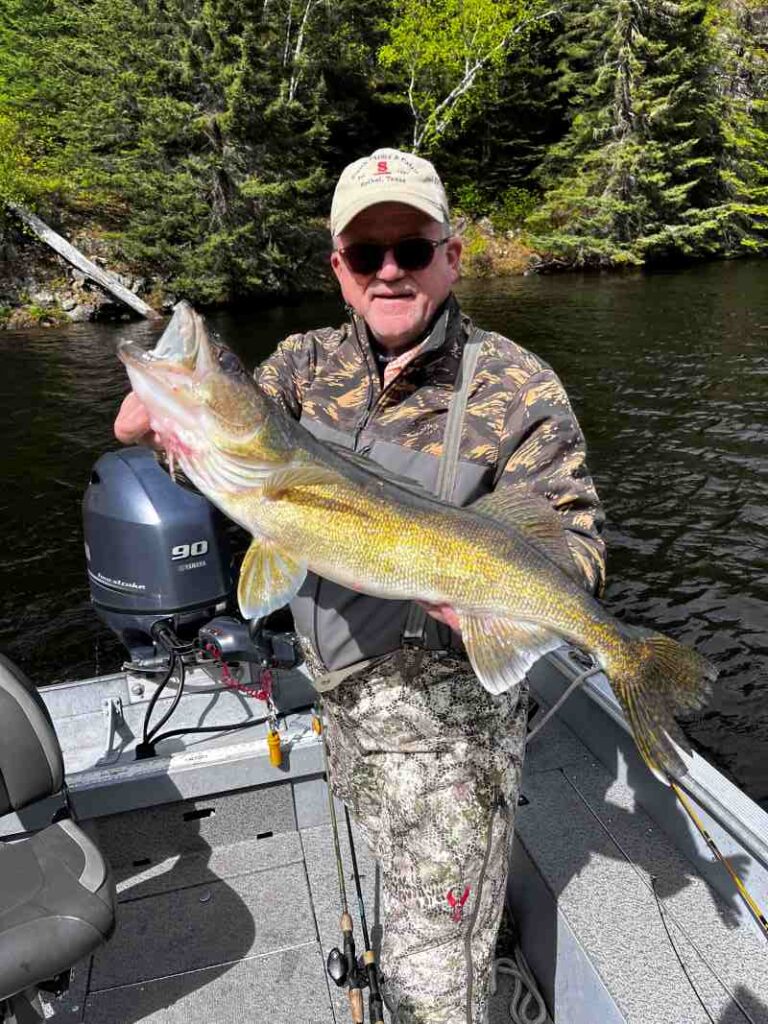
column 40, row 289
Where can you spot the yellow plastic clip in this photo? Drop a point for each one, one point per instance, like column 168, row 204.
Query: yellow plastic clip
column 274, row 748
column 317, row 725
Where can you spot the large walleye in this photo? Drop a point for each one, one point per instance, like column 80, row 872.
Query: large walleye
column 503, row 565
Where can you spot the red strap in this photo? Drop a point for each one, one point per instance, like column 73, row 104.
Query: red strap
column 264, row 692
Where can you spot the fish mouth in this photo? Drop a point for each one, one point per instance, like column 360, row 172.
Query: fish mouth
column 200, row 403
column 167, row 378
column 184, row 348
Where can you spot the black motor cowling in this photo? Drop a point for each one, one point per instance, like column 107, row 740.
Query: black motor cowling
column 155, row 551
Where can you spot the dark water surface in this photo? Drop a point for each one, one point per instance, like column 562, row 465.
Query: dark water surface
column 669, row 377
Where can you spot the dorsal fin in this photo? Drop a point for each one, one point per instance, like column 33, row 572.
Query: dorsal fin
column 533, row 516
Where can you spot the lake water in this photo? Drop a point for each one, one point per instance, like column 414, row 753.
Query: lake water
column 669, row 377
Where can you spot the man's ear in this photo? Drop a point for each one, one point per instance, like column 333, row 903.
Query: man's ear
column 453, row 255
column 336, row 264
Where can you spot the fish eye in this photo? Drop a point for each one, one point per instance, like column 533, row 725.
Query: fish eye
column 228, row 361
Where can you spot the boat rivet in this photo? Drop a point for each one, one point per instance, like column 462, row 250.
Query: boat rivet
column 137, row 689
column 205, row 896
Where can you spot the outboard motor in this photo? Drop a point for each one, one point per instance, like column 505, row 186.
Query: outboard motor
column 162, row 577
column 156, row 552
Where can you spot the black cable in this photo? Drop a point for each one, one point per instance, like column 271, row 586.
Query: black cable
column 156, row 696
column 210, row 728
column 175, row 659
column 217, row 728
column 675, row 950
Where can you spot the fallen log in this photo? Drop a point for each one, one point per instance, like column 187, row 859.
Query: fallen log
column 72, row 255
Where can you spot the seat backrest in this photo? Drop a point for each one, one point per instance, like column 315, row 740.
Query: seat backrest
column 31, row 765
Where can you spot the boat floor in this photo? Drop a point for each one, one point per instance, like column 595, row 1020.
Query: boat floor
column 237, row 931
column 228, row 908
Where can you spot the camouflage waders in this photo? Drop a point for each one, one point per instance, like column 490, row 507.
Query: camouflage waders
column 429, row 763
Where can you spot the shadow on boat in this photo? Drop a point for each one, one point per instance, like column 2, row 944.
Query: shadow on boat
column 181, row 922
column 756, row 1009
column 593, row 874
column 671, row 868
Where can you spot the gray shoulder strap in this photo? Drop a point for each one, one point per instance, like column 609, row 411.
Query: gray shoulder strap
column 449, row 460
column 413, row 631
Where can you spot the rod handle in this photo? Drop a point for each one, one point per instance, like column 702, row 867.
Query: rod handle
column 356, row 1005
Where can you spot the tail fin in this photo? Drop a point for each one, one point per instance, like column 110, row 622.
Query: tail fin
column 654, row 677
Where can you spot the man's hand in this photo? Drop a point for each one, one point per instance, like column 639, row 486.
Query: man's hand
column 443, row 613
column 132, row 423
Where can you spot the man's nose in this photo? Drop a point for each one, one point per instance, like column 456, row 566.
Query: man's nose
column 390, row 271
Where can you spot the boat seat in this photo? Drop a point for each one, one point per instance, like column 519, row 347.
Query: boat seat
column 57, row 893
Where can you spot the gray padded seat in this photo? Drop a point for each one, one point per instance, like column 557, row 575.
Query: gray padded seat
column 57, row 894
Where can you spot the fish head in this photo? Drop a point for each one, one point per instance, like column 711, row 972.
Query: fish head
column 201, row 401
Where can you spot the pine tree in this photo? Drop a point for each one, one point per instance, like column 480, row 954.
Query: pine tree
column 739, row 30
column 197, row 130
column 621, row 184
column 203, row 136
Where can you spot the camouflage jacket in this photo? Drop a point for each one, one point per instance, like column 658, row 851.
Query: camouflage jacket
column 518, row 428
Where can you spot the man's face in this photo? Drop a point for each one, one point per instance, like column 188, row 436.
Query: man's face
column 396, row 304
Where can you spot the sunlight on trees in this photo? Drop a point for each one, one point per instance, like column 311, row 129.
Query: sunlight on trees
column 448, row 50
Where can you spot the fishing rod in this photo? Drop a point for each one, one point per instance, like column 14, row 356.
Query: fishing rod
column 375, row 1002
column 342, row 964
column 741, row 888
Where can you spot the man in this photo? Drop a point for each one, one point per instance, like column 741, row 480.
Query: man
column 427, row 760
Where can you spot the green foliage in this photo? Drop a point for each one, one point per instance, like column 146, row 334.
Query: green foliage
column 34, row 315
column 506, row 211
column 471, row 199
column 21, row 177
column 28, row 170
column 451, row 53
column 739, row 34
column 514, row 208
column 203, row 137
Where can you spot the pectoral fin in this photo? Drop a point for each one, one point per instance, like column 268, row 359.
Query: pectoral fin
column 502, row 651
column 269, row 578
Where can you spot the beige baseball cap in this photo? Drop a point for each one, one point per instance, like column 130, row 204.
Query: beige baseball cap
column 388, row 176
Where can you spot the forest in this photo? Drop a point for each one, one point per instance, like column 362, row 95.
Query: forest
column 199, row 140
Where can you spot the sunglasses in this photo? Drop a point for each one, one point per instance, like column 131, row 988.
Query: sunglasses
column 409, row 253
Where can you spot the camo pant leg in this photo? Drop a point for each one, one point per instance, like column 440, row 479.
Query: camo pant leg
column 429, row 763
